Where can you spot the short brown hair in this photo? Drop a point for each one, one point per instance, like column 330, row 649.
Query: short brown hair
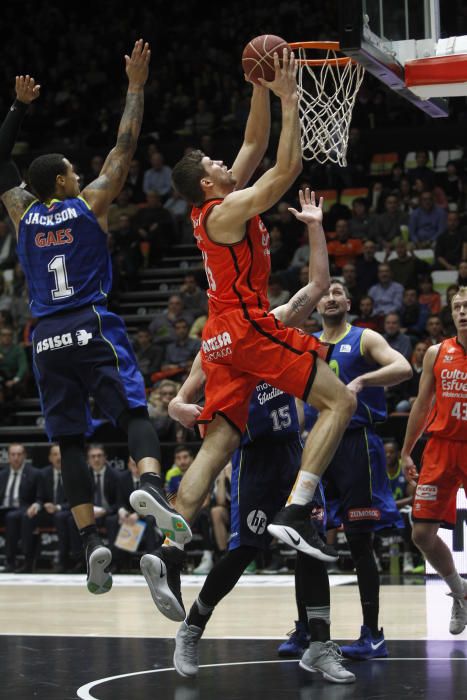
column 461, row 292
column 186, row 177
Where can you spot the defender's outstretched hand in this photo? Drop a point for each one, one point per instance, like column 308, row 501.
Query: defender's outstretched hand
column 137, row 65
column 26, row 89
column 311, row 212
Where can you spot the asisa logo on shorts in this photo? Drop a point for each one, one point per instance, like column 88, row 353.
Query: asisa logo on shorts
column 217, row 342
column 426, row 492
column 55, row 342
column 217, row 347
column 256, row 521
column 83, row 337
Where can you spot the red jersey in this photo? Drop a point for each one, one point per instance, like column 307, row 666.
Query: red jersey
column 448, row 417
column 237, row 274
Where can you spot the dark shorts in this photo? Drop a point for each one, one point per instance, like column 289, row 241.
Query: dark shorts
column 80, row 354
column 356, row 485
column 263, row 474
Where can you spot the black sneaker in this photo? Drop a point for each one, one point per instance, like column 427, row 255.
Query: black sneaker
column 162, row 573
column 294, row 526
column 151, row 500
column 98, row 560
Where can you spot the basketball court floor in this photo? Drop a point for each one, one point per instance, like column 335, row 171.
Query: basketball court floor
column 58, row 642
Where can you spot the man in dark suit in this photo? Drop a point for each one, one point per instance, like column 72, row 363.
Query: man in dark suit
column 128, row 481
column 54, row 512
column 19, row 484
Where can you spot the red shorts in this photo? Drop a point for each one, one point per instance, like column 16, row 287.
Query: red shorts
column 238, row 350
column 444, row 471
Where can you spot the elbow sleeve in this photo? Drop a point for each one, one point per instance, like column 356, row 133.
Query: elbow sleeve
column 9, row 176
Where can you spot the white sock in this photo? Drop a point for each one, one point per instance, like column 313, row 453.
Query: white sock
column 171, row 543
column 304, row 489
column 456, row 584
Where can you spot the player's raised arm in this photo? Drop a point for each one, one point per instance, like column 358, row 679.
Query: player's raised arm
column 300, row 306
column 256, row 137
column 15, row 198
column 241, row 205
column 101, row 192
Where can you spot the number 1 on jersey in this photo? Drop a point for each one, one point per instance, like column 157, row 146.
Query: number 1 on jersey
column 62, row 288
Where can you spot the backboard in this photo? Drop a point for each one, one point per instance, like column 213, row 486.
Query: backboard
column 399, row 43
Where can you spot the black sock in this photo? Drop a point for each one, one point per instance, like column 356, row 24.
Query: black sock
column 152, row 479
column 313, row 596
column 361, row 549
column 320, row 630
column 198, row 618
column 370, row 617
column 89, row 535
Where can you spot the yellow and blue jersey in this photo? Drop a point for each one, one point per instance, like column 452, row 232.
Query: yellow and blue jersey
column 398, row 484
column 63, row 252
column 348, row 362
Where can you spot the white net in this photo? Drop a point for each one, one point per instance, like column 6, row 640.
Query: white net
column 326, row 98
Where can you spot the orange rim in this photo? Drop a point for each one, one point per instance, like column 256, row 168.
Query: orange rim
column 320, row 46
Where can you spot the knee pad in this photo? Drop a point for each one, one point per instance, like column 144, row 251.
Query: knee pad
column 77, row 481
column 143, row 440
column 360, row 544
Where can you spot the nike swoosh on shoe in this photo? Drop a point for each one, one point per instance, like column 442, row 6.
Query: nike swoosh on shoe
column 377, row 646
column 296, row 541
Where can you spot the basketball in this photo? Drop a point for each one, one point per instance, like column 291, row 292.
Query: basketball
column 258, row 57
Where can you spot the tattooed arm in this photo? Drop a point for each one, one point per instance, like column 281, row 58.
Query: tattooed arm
column 16, row 201
column 15, row 198
column 300, row 306
column 100, row 193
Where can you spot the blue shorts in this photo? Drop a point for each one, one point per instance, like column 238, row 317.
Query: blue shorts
column 263, row 474
column 84, row 353
column 356, row 485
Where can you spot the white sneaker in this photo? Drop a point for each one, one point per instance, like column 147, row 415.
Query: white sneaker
column 407, row 565
column 458, row 620
column 186, row 650
column 326, row 657
column 206, row 564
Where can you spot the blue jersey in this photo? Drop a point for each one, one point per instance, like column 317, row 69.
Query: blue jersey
column 272, row 414
column 348, row 362
column 63, row 252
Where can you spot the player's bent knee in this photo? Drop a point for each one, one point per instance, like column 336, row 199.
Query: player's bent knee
column 347, row 402
column 422, row 537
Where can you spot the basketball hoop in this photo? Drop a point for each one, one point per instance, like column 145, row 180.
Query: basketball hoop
column 327, row 88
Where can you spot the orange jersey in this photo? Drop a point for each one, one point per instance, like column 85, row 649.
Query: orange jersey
column 448, row 417
column 237, row 274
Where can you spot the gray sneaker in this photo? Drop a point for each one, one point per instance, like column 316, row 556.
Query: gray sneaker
column 458, row 616
column 458, row 612
column 186, row 650
column 98, row 560
column 326, row 658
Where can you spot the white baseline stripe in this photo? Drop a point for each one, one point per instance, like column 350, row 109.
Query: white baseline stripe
column 84, row 694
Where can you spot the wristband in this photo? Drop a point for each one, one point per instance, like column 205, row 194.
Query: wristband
column 20, row 107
